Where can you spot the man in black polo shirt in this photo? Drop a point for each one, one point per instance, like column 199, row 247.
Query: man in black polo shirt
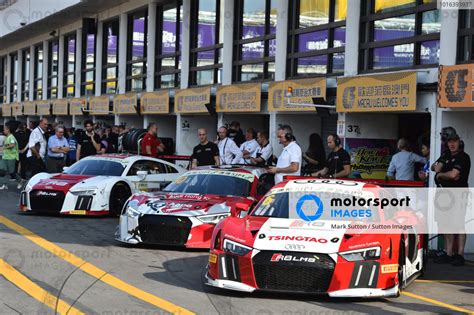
column 89, row 142
column 338, row 163
column 205, row 153
column 452, row 170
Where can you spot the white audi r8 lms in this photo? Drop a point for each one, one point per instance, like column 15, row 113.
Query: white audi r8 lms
column 97, row 185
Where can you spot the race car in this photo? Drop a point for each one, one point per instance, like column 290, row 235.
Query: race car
column 289, row 242
column 186, row 212
column 96, row 185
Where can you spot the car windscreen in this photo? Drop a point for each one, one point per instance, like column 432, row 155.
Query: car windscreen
column 278, row 205
column 97, row 167
column 215, row 184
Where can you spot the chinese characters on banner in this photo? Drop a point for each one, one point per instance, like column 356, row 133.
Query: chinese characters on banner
column 377, row 93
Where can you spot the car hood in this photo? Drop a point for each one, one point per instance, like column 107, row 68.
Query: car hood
column 180, row 204
column 64, row 182
column 286, row 234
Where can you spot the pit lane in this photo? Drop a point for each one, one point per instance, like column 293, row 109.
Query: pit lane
column 77, row 260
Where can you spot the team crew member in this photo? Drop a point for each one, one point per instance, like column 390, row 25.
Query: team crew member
column 235, row 133
column 10, row 156
column 229, row 152
column 151, row 145
column 249, row 147
column 89, row 143
column 37, row 148
column 402, row 165
column 452, row 170
column 58, row 148
column 264, row 151
column 338, row 163
column 289, row 161
column 206, row 152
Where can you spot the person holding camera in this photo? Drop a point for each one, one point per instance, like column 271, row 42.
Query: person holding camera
column 89, row 142
column 37, row 148
column 58, row 148
column 289, row 161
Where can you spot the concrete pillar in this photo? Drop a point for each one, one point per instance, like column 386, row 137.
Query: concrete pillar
column 31, row 93
column 227, row 29
column 186, row 41
column 122, row 66
column 151, row 46
column 281, row 38
column 179, row 138
column 19, row 75
column 61, row 67
column 352, row 38
column 9, row 77
column 77, row 87
column 98, row 58
column 45, row 69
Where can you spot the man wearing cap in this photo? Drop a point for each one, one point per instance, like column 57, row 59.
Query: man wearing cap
column 452, row 170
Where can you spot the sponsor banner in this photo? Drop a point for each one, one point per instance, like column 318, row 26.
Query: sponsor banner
column 17, row 109
column 155, row 102
column 6, row 110
column 377, row 93
column 99, row 105
column 370, row 158
column 60, row 107
column 192, row 100
column 455, row 86
column 353, row 207
column 76, row 105
column 43, row 108
column 303, row 93
column 238, row 98
column 125, row 103
column 29, row 108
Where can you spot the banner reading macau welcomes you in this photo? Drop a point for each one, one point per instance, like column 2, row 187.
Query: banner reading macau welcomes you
column 377, row 93
column 192, row 100
column 238, row 98
column 303, row 92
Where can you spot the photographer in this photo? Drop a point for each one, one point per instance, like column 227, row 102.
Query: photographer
column 89, row 143
column 58, row 148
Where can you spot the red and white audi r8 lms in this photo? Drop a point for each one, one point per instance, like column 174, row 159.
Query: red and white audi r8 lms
column 96, row 185
column 186, row 212
column 269, row 249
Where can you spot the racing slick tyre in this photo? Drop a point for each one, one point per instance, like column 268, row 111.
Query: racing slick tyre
column 118, row 196
column 401, row 265
column 425, row 255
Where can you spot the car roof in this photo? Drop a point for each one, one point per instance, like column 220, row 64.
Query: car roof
column 256, row 171
column 122, row 158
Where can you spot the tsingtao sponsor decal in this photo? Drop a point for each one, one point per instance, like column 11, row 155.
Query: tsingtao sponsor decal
column 308, row 239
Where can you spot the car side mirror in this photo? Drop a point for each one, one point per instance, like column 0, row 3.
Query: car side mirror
column 142, row 175
column 65, row 168
column 240, row 210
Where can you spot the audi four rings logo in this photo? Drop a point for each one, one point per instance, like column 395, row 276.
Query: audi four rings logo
column 294, row 247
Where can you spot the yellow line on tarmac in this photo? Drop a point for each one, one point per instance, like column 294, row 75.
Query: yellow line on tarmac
column 95, row 271
column 436, row 302
column 34, row 290
column 445, row 281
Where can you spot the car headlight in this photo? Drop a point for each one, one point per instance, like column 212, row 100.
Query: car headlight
column 212, row 218
column 370, row 253
column 88, row 191
column 132, row 209
column 235, row 248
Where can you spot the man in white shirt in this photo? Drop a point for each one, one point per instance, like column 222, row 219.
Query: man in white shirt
column 249, row 147
column 264, row 151
column 37, row 148
column 289, row 161
column 229, row 152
